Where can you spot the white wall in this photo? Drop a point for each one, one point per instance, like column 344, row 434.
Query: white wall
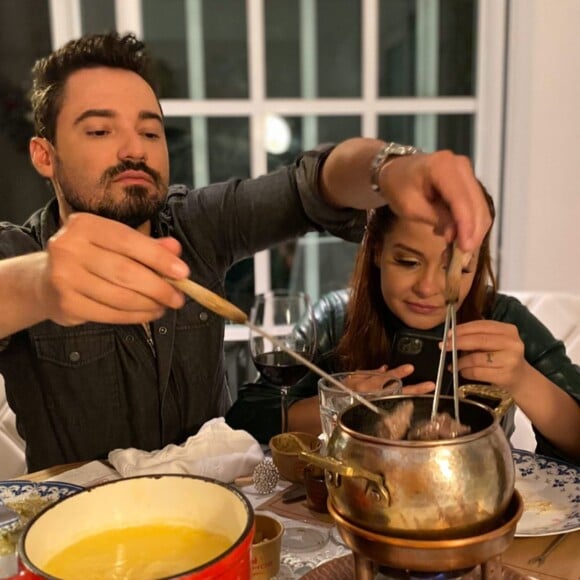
column 541, row 188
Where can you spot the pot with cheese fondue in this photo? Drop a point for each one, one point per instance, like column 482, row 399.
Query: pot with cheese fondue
column 146, row 528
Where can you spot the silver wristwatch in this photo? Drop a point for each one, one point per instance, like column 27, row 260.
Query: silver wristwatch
column 384, row 155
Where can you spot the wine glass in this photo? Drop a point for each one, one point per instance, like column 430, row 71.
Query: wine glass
column 288, row 317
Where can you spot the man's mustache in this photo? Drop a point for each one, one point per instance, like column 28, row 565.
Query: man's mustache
column 113, row 172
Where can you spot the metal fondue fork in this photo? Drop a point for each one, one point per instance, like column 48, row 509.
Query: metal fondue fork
column 229, row 311
column 452, row 282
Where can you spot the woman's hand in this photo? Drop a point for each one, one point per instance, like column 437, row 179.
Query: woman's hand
column 494, row 353
column 382, row 378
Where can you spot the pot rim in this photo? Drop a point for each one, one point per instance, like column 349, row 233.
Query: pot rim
column 413, row 444
column 245, row 535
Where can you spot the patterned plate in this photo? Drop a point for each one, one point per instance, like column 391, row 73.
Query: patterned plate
column 15, row 491
column 551, row 493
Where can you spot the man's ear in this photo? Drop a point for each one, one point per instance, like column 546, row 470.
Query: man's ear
column 41, row 156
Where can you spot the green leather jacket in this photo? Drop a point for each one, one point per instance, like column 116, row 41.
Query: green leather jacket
column 257, row 408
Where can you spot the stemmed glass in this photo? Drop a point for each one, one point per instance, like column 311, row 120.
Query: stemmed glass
column 288, row 317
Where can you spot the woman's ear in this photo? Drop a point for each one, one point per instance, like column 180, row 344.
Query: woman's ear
column 41, row 156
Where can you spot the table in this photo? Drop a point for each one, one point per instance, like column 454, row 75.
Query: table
column 562, row 564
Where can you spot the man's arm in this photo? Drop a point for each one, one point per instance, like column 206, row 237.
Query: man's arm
column 438, row 188
column 94, row 269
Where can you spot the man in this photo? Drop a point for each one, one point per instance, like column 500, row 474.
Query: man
column 99, row 351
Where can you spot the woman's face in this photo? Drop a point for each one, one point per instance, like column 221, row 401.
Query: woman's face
column 412, row 261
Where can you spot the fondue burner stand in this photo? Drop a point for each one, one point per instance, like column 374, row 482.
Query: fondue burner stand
column 381, row 557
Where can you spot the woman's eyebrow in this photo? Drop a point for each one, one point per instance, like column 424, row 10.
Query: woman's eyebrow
column 407, row 249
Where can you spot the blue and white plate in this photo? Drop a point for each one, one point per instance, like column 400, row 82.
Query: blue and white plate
column 551, row 494
column 20, row 490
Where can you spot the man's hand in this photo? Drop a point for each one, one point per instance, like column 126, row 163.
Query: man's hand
column 440, row 189
column 100, row 270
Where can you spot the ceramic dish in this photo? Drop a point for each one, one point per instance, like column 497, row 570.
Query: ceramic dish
column 26, row 499
column 551, row 494
column 36, row 495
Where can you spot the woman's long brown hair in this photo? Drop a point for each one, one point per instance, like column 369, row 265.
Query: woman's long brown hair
column 366, row 343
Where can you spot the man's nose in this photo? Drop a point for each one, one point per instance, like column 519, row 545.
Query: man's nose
column 132, row 147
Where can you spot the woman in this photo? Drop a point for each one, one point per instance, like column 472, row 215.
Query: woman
column 399, row 282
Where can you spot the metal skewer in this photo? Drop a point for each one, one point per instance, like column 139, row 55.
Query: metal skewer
column 229, row 311
column 453, row 280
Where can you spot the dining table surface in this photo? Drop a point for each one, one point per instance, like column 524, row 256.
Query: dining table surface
column 562, row 564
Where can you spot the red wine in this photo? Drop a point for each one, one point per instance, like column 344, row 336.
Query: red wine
column 280, row 368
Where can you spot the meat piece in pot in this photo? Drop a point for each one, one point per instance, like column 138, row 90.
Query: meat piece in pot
column 395, row 425
column 442, row 427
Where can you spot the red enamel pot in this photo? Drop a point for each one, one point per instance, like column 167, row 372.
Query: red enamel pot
column 202, row 503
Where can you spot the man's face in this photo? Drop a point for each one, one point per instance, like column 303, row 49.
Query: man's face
column 111, row 156
column 413, row 262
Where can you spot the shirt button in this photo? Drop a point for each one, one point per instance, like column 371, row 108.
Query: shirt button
column 74, row 356
column 203, row 316
column 129, row 338
column 163, row 330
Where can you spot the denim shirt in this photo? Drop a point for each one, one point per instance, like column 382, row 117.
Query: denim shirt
column 80, row 392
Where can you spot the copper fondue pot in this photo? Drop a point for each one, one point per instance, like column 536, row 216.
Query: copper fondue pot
column 442, row 489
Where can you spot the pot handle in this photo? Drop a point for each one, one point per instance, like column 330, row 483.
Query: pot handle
column 500, row 400
column 336, row 466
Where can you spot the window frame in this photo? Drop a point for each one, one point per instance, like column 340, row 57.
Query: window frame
column 487, row 105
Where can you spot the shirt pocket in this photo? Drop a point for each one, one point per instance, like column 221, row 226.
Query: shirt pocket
column 75, row 350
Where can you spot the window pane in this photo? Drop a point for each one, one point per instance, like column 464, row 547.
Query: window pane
column 282, row 25
column 200, row 47
column 23, row 40
column 229, row 143
column 430, row 132
column 221, row 149
column 339, row 48
column 97, row 17
column 317, row 260
column 333, row 65
column 323, row 129
column 427, row 48
column 164, row 31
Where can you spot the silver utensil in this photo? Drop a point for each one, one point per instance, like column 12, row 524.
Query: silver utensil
column 452, row 283
column 541, row 558
column 229, row 311
column 7, row 516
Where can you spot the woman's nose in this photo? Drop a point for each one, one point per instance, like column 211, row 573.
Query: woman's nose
column 429, row 283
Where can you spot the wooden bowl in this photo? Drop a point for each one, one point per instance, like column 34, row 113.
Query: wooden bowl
column 286, row 454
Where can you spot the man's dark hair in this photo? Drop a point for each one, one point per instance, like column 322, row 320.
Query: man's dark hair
column 50, row 73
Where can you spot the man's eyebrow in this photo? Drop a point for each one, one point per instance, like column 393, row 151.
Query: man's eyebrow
column 144, row 115
column 109, row 114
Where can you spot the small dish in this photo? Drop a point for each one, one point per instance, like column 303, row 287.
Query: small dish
column 286, row 453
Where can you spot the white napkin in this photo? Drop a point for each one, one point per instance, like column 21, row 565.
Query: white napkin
column 217, row 451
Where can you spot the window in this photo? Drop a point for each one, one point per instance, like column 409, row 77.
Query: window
column 247, row 85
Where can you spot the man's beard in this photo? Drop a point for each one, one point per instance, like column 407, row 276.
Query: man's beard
column 137, row 207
